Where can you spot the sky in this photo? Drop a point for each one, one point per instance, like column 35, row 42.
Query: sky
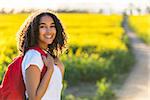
column 73, row 4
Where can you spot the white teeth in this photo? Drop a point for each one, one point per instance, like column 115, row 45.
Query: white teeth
column 48, row 36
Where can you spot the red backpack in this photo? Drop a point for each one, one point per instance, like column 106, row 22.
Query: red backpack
column 13, row 87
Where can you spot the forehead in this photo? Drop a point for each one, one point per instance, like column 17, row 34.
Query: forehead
column 47, row 19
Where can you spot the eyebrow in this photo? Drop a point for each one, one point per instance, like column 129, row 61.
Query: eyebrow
column 45, row 24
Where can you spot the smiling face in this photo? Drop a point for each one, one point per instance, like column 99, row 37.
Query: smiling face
column 47, row 31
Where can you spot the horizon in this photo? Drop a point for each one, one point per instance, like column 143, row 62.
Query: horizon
column 90, row 5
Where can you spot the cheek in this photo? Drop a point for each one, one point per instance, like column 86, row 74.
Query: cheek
column 55, row 32
column 41, row 34
column 42, row 31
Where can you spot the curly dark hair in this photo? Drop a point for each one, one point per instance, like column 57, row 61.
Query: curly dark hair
column 28, row 35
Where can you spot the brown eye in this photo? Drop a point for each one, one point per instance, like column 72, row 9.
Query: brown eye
column 42, row 26
column 52, row 26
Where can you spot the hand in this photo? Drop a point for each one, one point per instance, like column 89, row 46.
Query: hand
column 58, row 62
column 48, row 61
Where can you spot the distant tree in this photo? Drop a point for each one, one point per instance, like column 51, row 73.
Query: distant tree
column 138, row 10
column 148, row 9
column 2, row 10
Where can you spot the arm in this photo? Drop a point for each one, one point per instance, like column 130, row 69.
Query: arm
column 36, row 88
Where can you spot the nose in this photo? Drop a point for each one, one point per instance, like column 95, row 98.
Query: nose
column 48, row 30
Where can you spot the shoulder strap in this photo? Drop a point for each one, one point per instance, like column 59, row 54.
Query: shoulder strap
column 44, row 54
column 39, row 50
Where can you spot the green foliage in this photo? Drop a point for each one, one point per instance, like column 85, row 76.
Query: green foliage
column 104, row 91
column 93, row 67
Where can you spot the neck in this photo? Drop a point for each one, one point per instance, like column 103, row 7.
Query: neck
column 42, row 46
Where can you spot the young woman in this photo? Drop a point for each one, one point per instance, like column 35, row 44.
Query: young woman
column 42, row 30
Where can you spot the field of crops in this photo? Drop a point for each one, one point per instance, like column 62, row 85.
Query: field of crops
column 98, row 49
column 141, row 25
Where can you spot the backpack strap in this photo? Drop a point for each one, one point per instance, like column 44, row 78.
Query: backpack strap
column 39, row 50
column 44, row 54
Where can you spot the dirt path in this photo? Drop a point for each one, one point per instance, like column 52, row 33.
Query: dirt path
column 137, row 85
column 86, row 90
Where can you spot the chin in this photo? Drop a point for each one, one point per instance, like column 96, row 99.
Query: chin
column 50, row 42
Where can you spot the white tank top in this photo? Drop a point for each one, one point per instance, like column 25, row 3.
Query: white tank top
column 53, row 91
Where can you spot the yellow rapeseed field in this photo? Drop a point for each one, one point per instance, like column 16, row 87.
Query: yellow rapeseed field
column 141, row 25
column 82, row 29
column 94, row 29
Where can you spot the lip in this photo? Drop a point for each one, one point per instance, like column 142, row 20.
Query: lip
column 48, row 36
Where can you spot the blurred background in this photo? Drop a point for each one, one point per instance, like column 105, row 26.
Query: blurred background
column 99, row 57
